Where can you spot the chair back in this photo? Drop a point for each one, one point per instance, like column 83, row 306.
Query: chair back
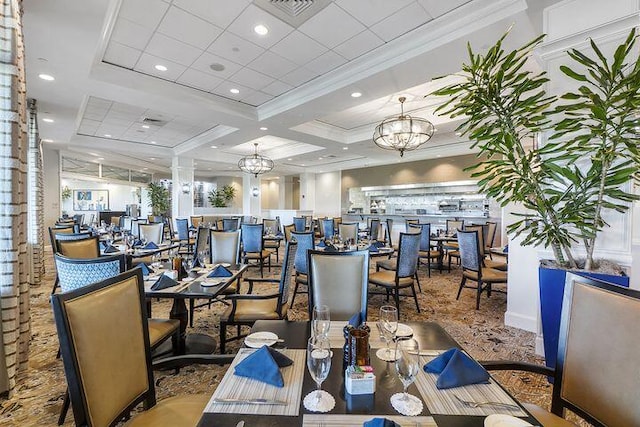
column 115, row 220
column 271, row 224
column 225, row 246
column 409, row 222
column 305, row 243
column 468, row 242
column 308, row 222
column 104, row 341
column 182, row 227
column 408, row 248
column 152, row 232
column 252, row 237
column 230, row 224
column 453, row 225
column 348, row 231
column 78, row 219
column 197, row 220
column 151, row 219
column 87, row 246
column 288, row 229
column 597, row 350
column 480, row 229
column 299, row 223
column 328, row 229
column 135, row 226
column 202, row 241
column 285, row 276
column 336, row 222
column 425, row 235
column 74, row 273
column 53, row 231
column 374, row 228
column 126, row 223
column 339, row 280
column 388, row 230
column 491, row 234
column 92, row 219
column 168, row 229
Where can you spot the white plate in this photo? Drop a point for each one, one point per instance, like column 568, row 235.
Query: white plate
column 404, row 330
column 224, row 264
column 503, row 420
column 258, row 339
column 214, row 281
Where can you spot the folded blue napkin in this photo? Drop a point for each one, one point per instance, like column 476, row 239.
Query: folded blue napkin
column 378, row 244
column 163, row 282
column 279, row 234
column 321, row 244
column 103, row 246
column 380, row 422
column 196, row 263
column 505, row 249
column 220, row 271
column 264, row 365
column 356, row 320
column 138, row 242
column 456, row 369
column 116, row 229
column 331, row 248
column 146, row 270
column 150, row 245
column 373, row 248
column 192, row 228
column 110, row 249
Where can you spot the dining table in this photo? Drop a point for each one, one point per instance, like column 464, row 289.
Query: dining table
column 441, row 240
column 439, row 406
column 195, row 285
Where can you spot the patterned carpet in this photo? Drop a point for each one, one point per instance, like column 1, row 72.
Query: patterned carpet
column 482, row 333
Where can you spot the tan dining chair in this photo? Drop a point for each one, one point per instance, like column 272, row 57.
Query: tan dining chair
column 272, row 245
column 87, row 246
column 288, row 229
column 152, row 232
column 104, row 340
column 348, row 231
column 197, row 220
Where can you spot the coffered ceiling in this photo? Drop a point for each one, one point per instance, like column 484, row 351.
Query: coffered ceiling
column 138, row 82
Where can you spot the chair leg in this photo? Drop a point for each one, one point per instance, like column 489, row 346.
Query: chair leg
column 418, row 281
column 55, row 285
column 415, row 297
column 65, row 408
column 478, row 293
column 462, row 282
column 261, row 267
column 428, row 267
column 223, row 337
column 295, row 291
column 488, row 290
column 396, row 296
column 191, row 310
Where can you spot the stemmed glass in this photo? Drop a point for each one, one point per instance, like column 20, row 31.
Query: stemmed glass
column 407, row 366
column 321, row 321
column 319, row 365
column 387, row 325
column 202, row 258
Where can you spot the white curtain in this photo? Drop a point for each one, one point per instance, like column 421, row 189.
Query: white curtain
column 35, row 205
column 14, row 261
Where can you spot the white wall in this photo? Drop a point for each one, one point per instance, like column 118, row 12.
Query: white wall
column 270, row 194
column 120, row 195
column 327, row 194
column 51, row 185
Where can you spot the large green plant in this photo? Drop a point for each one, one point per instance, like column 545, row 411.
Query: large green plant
column 220, row 198
column 158, row 198
column 567, row 184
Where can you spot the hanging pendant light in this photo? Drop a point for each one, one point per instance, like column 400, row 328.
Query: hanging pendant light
column 255, row 163
column 403, row 133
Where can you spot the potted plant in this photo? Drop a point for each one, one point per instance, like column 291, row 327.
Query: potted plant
column 220, row 198
column 65, row 194
column 158, row 199
column 570, row 182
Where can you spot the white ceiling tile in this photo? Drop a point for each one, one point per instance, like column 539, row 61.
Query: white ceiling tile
column 147, row 63
column 257, row 98
column 131, row 34
column 299, row 76
column 132, row 110
column 234, row 48
column 173, row 50
column 331, row 26
column 325, row 63
column 199, row 80
column 437, row 8
column 224, row 89
column 245, row 23
column 218, row 12
column 401, row 22
column 121, row 55
column 252, row 79
column 188, row 28
column 298, row 48
column 206, row 59
column 375, row 11
column 277, row 88
column 358, row 45
column 272, row 65
column 145, row 12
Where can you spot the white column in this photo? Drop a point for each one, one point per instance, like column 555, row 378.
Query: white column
column 181, row 174
column 282, row 192
column 251, row 203
column 307, row 191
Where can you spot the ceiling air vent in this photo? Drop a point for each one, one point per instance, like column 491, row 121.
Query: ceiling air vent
column 153, row 122
column 293, row 12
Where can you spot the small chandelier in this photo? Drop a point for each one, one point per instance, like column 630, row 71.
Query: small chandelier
column 255, row 164
column 402, row 133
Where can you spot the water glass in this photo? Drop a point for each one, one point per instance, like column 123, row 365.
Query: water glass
column 321, row 321
column 319, row 365
column 388, row 325
column 407, row 367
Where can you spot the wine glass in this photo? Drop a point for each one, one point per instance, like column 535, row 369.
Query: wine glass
column 407, row 367
column 187, row 265
column 202, row 258
column 321, row 321
column 388, row 325
column 319, row 365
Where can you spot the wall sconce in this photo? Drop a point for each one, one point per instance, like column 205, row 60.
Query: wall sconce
column 186, row 187
column 255, row 192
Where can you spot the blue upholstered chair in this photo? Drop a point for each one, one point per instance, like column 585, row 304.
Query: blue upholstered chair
column 404, row 274
column 328, row 229
column 425, row 246
column 300, row 224
column 273, row 245
column 374, row 229
column 253, row 246
column 182, row 227
column 230, row 224
column 305, row 243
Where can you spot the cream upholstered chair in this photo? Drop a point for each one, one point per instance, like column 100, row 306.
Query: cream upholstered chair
column 288, row 229
column 246, row 309
column 392, row 281
column 339, row 281
column 471, row 257
column 152, row 232
column 104, row 339
column 348, row 231
column 597, row 350
column 305, row 243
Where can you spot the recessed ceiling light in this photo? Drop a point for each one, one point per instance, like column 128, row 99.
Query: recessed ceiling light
column 144, row 169
column 107, row 135
column 160, row 67
column 214, row 146
column 439, row 155
column 261, row 30
column 302, row 164
column 152, row 158
column 435, row 129
column 458, row 133
column 153, row 142
column 345, row 148
column 234, row 91
column 319, row 158
column 48, row 120
column 216, row 66
column 289, row 159
column 46, row 77
column 356, row 95
column 264, row 128
column 145, row 126
column 47, row 140
column 100, row 158
column 94, row 154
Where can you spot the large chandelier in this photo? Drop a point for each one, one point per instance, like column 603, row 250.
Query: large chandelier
column 402, row 133
column 255, row 163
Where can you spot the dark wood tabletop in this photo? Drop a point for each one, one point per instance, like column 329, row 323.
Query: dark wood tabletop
column 295, row 334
